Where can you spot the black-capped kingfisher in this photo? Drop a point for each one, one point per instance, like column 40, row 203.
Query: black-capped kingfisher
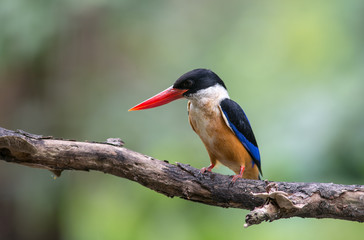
column 219, row 121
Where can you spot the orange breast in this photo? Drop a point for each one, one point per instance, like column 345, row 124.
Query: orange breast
column 220, row 141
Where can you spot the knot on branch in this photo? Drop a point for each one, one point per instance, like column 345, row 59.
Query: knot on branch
column 16, row 146
column 278, row 204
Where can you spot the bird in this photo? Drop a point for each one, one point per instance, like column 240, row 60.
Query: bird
column 220, row 122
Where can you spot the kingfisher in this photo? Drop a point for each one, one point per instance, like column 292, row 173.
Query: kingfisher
column 219, row 121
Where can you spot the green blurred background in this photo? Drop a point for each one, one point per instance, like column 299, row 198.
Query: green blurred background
column 71, row 69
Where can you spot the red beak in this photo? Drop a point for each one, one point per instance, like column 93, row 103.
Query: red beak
column 164, row 97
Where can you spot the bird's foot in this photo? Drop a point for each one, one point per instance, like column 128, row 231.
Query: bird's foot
column 237, row 176
column 208, row 169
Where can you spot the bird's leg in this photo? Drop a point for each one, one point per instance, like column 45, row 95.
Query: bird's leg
column 209, row 168
column 240, row 175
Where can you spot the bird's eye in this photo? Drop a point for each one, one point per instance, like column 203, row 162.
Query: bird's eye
column 188, row 83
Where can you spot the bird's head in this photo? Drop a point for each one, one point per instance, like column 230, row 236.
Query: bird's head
column 193, row 84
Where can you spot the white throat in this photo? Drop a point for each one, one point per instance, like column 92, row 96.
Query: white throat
column 213, row 94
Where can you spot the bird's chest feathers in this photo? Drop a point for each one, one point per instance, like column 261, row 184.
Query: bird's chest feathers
column 206, row 120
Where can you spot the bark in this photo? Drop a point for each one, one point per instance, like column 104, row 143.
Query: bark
column 268, row 201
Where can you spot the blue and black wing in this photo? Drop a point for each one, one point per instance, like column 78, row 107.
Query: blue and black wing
column 239, row 124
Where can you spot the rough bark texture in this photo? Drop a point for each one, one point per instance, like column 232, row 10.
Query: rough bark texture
column 268, row 201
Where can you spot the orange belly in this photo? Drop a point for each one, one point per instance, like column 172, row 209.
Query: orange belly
column 221, row 143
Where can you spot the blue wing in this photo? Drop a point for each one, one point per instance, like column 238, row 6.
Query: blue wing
column 240, row 125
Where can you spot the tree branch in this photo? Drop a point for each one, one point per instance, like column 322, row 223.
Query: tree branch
column 268, row 201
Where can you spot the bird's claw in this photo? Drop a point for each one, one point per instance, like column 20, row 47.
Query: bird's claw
column 235, row 177
column 203, row 170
